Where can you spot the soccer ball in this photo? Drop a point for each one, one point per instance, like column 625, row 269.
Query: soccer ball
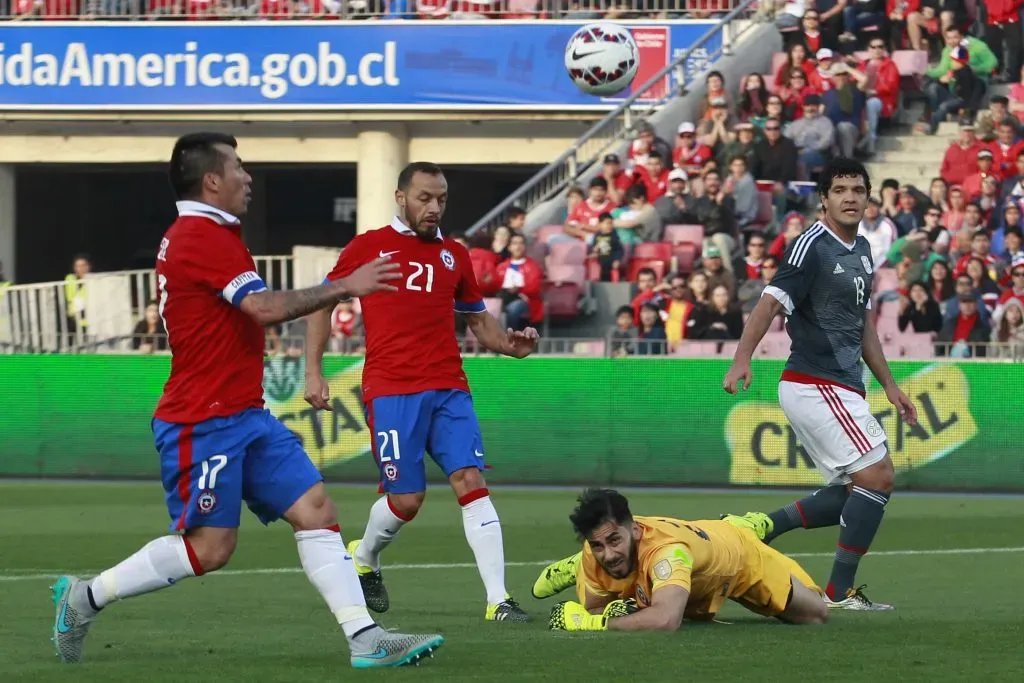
column 602, row 58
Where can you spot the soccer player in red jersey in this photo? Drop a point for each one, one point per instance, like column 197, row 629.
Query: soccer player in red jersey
column 415, row 392
column 218, row 446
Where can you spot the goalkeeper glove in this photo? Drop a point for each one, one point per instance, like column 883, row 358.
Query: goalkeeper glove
column 572, row 616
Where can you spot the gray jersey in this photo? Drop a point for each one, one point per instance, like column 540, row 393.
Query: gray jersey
column 825, row 287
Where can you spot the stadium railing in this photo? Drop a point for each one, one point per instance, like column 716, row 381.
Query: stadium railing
column 352, row 9
column 618, row 125
column 292, row 345
column 34, row 318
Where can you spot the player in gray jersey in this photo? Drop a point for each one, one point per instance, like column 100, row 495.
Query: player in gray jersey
column 824, row 288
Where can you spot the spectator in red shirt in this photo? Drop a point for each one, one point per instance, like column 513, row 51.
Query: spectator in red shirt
column 796, row 58
column 689, row 154
column 649, row 292
column 653, row 175
column 972, row 183
column 953, row 216
column 981, row 248
column 618, row 179
column 1005, row 149
column 882, row 87
column 584, row 216
column 792, row 227
column 1003, row 30
column 961, row 159
column 757, row 247
column 646, row 142
column 1016, row 288
column 346, row 328
column 810, row 31
column 964, row 330
column 793, row 94
column 521, row 279
column 822, row 79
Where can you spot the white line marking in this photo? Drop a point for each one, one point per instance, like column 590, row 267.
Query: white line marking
column 9, row 575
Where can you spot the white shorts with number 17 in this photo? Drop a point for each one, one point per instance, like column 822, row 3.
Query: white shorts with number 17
column 835, row 426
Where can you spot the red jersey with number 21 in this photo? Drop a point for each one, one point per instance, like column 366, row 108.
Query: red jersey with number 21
column 203, row 272
column 410, row 334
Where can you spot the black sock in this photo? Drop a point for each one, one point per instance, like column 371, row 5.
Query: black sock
column 821, row 508
column 859, row 523
column 92, row 600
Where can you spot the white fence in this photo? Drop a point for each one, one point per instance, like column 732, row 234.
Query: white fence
column 42, row 318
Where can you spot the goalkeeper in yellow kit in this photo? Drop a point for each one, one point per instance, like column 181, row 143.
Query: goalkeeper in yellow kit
column 649, row 573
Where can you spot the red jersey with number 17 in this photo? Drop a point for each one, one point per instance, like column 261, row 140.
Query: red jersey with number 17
column 410, row 334
column 203, row 272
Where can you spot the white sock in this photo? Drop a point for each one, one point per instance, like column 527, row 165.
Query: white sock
column 330, row 570
column 160, row 563
column 483, row 531
column 381, row 528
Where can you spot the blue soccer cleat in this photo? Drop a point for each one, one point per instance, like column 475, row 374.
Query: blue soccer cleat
column 395, row 649
column 71, row 624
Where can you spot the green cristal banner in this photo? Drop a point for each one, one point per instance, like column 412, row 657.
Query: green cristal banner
column 658, row 422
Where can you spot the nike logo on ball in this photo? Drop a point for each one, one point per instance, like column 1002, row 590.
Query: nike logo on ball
column 581, row 55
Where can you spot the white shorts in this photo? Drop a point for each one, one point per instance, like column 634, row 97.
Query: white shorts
column 835, row 426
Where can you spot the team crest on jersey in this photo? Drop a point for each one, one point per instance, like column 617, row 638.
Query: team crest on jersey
column 391, row 471
column 206, row 502
column 866, row 262
column 448, row 259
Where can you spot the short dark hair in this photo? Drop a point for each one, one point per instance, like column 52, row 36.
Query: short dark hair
column 193, row 157
column 516, row 236
column 605, row 217
column 773, row 259
column 624, row 310
column 428, row 167
column 575, row 189
column 516, row 212
column 81, row 256
column 738, row 157
column 1013, row 230
column 655, row 154
column 634, row 192
column 594, row 507
column 755, row 233
column 1000, row 99
column 953, row 27
column 599, row 182
column 980, row 233
column 646, row 271
column 842, row 167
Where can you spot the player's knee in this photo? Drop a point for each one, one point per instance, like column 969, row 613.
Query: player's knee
column 466, row 480
column 314, row 510
column 879, row 477
column 406, row 505
column 212, row 549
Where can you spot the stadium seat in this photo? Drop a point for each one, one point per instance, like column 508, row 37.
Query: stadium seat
column 592, row 348
column 561, row 274
column 917, row 345
column 594, row 271
column 661, row 251
column 886, row 280
column 729, row 349
column 911, row 62
column 545, row 232
column 888, row 327
column 695, row 349
column 678, row 234
column 562, row 300
column 774, row 345
column 683, row 257
column 765, row 212
column 567, row 254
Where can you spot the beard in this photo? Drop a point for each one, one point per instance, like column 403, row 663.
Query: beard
column 626, row 564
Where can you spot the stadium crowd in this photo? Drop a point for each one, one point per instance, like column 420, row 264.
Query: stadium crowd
column 699, row 224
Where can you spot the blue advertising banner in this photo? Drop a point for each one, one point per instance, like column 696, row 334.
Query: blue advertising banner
column 313, row 65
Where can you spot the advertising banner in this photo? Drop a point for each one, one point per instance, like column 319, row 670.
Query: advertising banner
column 313, row 65
column 544, row 420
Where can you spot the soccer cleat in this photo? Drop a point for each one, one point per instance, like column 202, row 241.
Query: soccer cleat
column 856, row 600
column 396, row 649
column 758, row 522
column 506, row 610
column 69, row 626
column 557, row 576
column 372, row 583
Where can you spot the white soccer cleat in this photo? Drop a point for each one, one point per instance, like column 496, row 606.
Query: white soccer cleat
column 856, row 601
column 70, row 625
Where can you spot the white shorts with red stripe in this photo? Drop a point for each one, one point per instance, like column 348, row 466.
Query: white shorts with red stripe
column 835, row 426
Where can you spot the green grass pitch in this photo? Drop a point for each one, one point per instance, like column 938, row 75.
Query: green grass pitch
column 952, row 565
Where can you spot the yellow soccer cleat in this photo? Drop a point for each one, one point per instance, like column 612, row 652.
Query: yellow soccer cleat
column 506, row 610
column 758, row 522
column 371, row 582
column 557, row 576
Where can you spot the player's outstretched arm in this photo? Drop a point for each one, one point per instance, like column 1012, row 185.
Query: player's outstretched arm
column 753, row 332
column 318, row 331
column 874, row 357
column 664, row 614
column 506, row 342
column 269, row 308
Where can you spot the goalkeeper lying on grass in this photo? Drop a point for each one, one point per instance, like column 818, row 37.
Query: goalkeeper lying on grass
column 648, row 573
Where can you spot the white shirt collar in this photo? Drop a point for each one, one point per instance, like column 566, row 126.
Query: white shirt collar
column 188, row 207
column 403, row 229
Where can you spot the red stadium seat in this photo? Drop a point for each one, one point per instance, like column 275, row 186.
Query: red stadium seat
column 594, row 271
column 562, row 300
column 695, row 349
column 559, row 274
column 661, row 251
column 544, row 232
column 765, row 212
column 683, row 258
column 917, row 345
column 677, row 234
column 774, row 345
column 911, row 62
column 886, row 280
column 567, row 254
column 485, row 264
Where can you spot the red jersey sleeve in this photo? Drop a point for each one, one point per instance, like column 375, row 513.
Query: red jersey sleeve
column 222, row 263
column 352, row 256
column 467, row 295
